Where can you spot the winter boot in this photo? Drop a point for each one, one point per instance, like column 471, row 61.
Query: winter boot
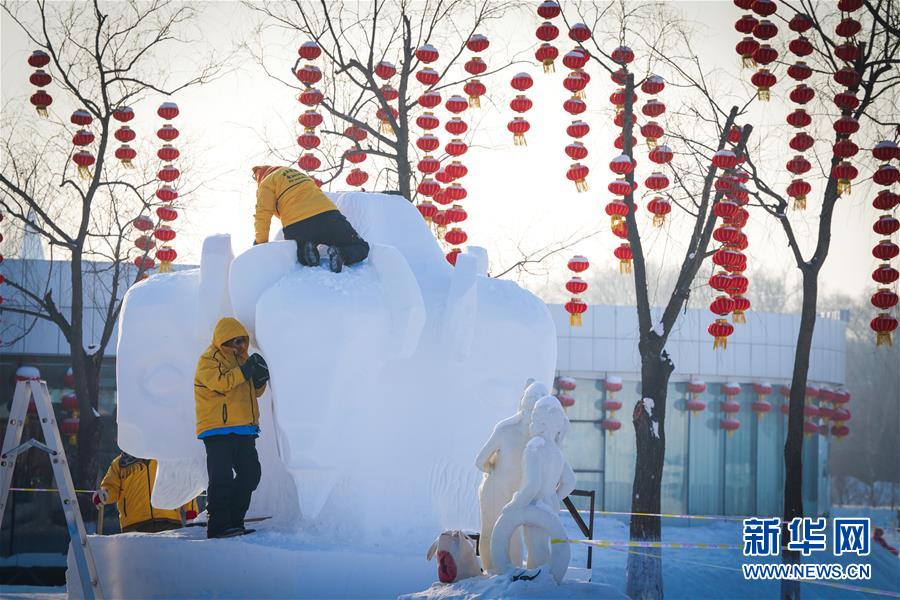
column 308, row 254
column 335, row 260
column 245, row 531
column 227, row 533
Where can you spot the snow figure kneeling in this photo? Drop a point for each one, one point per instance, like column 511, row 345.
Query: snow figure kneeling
column 546, row 480
column 501, row 461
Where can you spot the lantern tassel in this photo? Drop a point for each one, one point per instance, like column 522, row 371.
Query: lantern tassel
column 614, row 221
column 651, row 143
column 625, row 266
column 730, row 433
column 548, row 66
column 127, row 163
column 42, row 111
column 799, row 202
column 165, row 267
column 720, row 341
column 843, row 185
column 474, row 102
column 738, row 317
column 575, row 320
column 763, row 94
column 581, row 185
column 884, row 339
column 84, row 172
column 385, row 127
column 659, row 220
column 747, row 62
column 519, row 140
column 581, row 94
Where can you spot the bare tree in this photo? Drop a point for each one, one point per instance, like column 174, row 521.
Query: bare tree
column 101, row 58
column 355, row 38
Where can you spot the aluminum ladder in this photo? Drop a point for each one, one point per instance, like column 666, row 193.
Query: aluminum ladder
column 12, row 446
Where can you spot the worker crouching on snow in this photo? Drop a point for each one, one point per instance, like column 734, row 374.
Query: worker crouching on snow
column 307, row 216
column 227, row 384
column 129, row 483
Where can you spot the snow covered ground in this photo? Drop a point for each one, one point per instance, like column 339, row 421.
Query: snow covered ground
column 272, row 563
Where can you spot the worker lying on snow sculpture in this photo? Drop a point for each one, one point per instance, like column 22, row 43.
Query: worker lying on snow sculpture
column 307, row 216
column 129, row 483
column 227, row 384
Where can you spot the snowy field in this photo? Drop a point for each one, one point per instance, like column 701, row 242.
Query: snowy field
column 317, row 570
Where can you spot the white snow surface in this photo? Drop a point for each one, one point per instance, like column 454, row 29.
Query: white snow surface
column 648, row 405
column 654, row 427
column 385, row 378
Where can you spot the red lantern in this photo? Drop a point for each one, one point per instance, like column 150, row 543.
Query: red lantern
column 801, row 94
column 385, row 69
column 575, row 59
column 801, row 46
column 40, row 78
column 847, row 52
column 846, row 101
column 617, row 210
column 578, row 173
column 427, row 76
column 798, row 165
column 126, row 154
column 455, row 236
column 578, row 129
column 309, row 50
column 720, row 330
column 886, row 175
column 427, row 209
column 763, row 80
column 456, row 104
column 729, row 426
column 653, row 108
column 848, row 27
column 547, row 32
column 309, row 162
column 884, row 299
column 456, row 126
column 144, row 263
column 457, row 214
column 166, row 193
column 575, row 82
column 428, row 187
column 565, row 400
column 657, row 181
column 143, row 223
column 307, row 141
column 661, row 155
column 885, row 274
column 625, row 256
column 430, row 99
column 576, row 151
column 520, row 104
column 653, row 85
column 427, row 121
column 652, row 131
column 845, row 148
column 610, row 425
column 521, row 82
column 622, row 55
column 659, row 207
column 578, row 264
column 83, row 159
column 41, row 100
column 389, row 92
column 845, row 173
column 621, row 165
column 620, row 187
column 427, row 53
column 546, row 54
column 548, row 9
column 441, row 219
column 478, row 43
column 357, row 134
column 456, row 170
column 576, row 285
column 428, row 143
column 452, row 255
column 357, row 177
column 456, row 192
column 384, row 120
column 575, row 307
column 724, row 159
column 82, row 137
column 167, row 110
column 745, row 48
column 886, row 150
column 579, row 32
column 164, row 233
column 885, row 250
column 166, row 213
column 799, row 71
column 722, row 305
column 798, row 190
column 428, row 165
column 39, row 59
column 144, row 243
column 456, row 147
column 81, row 118
column 886, row 225
column 847, row 77
column 166, row 257
column 123, row 114
column 167, row 133
column 475, row 66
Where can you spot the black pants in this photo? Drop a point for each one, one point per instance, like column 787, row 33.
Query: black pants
column 333, row 229
column 152, row 526
column 234, row 472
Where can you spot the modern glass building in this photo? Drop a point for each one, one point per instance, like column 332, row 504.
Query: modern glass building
column 708, row 470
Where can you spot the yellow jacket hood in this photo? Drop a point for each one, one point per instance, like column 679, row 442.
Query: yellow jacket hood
column 226, row 329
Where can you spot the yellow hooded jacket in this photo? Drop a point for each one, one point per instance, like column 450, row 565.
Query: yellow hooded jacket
column 130, row 487
column 291, row 196
column 223, row 397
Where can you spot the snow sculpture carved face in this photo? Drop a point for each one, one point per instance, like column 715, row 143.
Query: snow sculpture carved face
column 383, row 377
column 546, row 480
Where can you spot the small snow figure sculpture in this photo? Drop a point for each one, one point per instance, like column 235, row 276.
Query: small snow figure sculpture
column 546, row 480
column 456, row 556
column 501, row 461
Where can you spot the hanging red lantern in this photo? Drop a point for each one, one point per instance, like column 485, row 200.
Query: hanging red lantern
column 884, row 299
column 661, row 155
column 166, row 256
column 886, row 150
column 801, row 46
column 659, row 207
column 579, row 32
column 548, row 9
column 845, row 148
column 475, row 66
column 428, row 165
column 428, row 143
column 357, row 177
column 885, row 274
column 651, row 131
column 307, row 141
column 389, row 92
column 845, row 173
column 39, row 59
column 578, row 129
column 521, row 82
column 578, row 264
column 82, row 137
column 745, row 24
column 846, row 77
column 620, row 187
column 145, row 243
column 456, row 104
column 886, row 225
column 167, row 193
column 309, row 162
column 429, row 100
column 763, row 80
column 164, row 233
column 455, row 236
column 457, row 214
column 384, row 119
column 385, row 69
column 456, row 170
column 126, row 154
column 886, row 175
column 657, row 181
column 576, row 151
column 847, row 52
column 741, row 306
column 167, row 110
column 724, row 159
column 800, row 23
column 427, row 76
column 356, row 155
column 575, row 307
column 578, row 173
column 518, row 127
column 166, row 213
column 848, row 27
column 576, row 285
column 520, row 104
column 725, row 209
column 428, row 187
column 355, row 133
column 764, row 29
column 456, row 126
column 456, row 147
column 309, row 50
column 575, row 82
column 427, row 209
column 575, row 59
column 574, row 106
column 801, row 94
column 427, row 53
column 798, row 190
column 41, row 100
column 846, row 126
column 653, row 108
column 653, row 85
column 729, row 426
column 452, row 255
column 885, row 250
column 167, row 133
column 617, row 211
column 478, row 43
column 40, row 78
column 547, row 32
column 441, row 219
column 722, row 305
column 143, row 223
column 745, row 48
column 799, row 71
column 546, row 54
column 456, row 192
column 764, row 8
column 798, row 165
column 84, row 160
column 720, row 330
column 427, row 121
column 622, row 165
column 81, row 118
column 625, row 256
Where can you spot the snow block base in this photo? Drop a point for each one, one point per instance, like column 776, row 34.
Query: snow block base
column 267, row 564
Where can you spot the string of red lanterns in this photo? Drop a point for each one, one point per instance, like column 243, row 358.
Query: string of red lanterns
column 82, row 138
column 309, row 75
column 564, row 385
column 730, row 407
column 754, row 48
column 799, row 119
column 427, row 142
column 168, row 174
column 886, row 276
column 576, row 286
column 520, row 104
column 546, row 33
column 847, row 52
column 40, row 79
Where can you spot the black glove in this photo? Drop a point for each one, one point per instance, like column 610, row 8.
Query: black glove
column 260, row 371
column 249, row 366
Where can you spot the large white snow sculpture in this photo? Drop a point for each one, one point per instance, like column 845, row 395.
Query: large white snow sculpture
column 546, row 480
column 383, row 377
column 501, row 461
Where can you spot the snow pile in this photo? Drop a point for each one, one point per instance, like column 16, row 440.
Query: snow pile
column 386, row 378
column 542, row 586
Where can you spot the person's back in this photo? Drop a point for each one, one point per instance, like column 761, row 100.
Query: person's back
column 307, row 217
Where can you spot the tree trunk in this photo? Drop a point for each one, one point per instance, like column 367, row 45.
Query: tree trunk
column 87, row 388
column 793, row 447
column 404, row 172
column 644, row 570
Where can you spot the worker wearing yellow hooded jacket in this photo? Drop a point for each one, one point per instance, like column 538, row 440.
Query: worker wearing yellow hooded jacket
column 307, row 217
column 129, row 483
column 227, row 384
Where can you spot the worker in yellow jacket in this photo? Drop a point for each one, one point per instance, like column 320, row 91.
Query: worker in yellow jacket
column 129, row 483
column 307, row 217
column 227, row 384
